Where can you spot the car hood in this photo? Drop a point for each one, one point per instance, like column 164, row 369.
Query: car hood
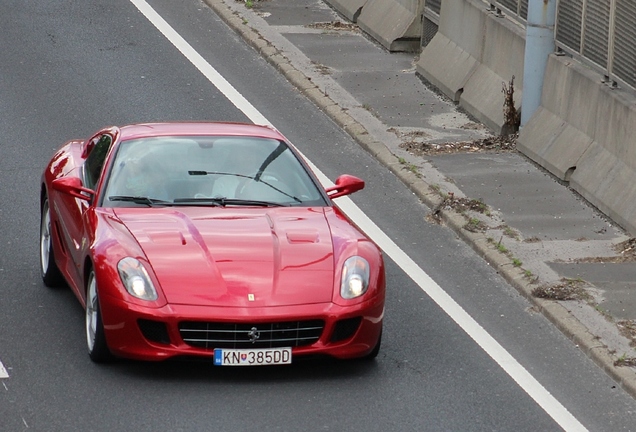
column 237, row 256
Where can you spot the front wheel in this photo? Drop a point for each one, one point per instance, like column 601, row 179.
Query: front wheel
column 376, row 350
column 51, row 275
column 95, row 337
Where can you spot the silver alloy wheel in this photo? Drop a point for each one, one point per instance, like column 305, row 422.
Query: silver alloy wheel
column 45, row 238
column 91, row 312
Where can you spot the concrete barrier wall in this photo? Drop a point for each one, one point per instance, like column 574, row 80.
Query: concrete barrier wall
column 349, row 8
column 472, row 55
column 395, row 24
column 583, row 132
column 452, row 55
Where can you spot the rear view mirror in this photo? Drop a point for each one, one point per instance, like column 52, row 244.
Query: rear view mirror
column 345, row 184
column 73, row 186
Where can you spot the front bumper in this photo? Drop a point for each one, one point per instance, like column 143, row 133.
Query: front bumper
column 125, row 338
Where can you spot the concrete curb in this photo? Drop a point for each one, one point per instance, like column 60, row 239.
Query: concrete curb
column 555, row 312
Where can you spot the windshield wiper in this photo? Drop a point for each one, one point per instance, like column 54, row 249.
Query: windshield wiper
column 222, row 201
column 256, row 177
column 258, row 203
column 150, row 202
column 203, row 201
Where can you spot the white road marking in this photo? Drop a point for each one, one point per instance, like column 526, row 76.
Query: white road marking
column 3, row 371
column 498, row 353
column 200, row 63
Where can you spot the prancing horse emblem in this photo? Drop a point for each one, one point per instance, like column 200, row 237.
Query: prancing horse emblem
column 254, row 334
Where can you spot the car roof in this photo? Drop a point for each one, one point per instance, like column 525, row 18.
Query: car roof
column 148, row 130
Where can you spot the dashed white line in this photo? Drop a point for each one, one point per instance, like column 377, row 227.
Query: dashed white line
column 497, row 352
column 3, row 371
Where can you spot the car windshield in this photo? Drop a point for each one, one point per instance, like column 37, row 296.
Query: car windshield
column 208, row 169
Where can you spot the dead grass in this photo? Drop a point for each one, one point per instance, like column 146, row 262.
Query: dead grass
column 628, row 329
column 321, row 68
column 460, row 205
column 334, row 26
column 626, row 251
column 504, row 143
column 626, row 361
column 566, row 289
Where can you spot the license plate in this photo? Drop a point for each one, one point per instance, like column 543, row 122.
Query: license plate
column 252, row 357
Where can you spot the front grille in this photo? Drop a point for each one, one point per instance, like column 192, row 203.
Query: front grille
column 257, row 335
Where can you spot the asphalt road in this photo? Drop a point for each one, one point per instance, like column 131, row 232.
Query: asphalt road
column 68, row 68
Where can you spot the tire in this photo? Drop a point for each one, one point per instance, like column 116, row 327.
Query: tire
column 51, row 274
column 376, row 350
column 95, row 338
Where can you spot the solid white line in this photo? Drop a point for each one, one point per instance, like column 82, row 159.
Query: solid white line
column 3, row 371
column 508, row 363
column 200, row 63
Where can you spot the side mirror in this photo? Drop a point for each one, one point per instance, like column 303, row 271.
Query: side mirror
column 345, row 185
column 73, row 186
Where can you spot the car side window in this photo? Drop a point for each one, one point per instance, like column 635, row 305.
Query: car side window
column 95, row 160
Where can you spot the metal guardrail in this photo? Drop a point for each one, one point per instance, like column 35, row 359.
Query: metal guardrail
column 599, row 33
column 434, row 5
column 430, row 20
column 516, row 9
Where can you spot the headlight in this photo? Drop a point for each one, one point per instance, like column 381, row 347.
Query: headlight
column 136, row 280
column 355, row 277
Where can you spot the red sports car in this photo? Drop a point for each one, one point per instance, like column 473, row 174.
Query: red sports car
column 211, row 240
